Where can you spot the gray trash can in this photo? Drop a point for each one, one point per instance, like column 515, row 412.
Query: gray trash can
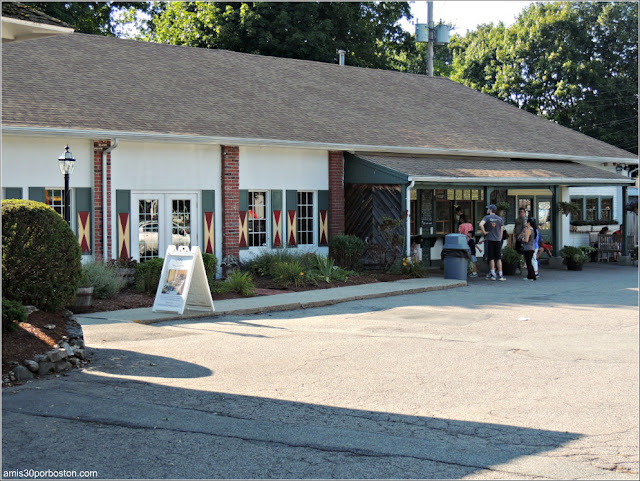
column 456, row 256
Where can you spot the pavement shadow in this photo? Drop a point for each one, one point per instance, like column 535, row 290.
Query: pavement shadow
column 221, row 436
column 121, row 362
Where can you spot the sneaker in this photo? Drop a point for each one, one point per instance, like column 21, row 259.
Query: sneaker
column 490, row 277
column 473, row 274
column 501, row 278
column 526, row 279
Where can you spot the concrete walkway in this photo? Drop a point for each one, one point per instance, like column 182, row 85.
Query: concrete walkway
column 278, row 302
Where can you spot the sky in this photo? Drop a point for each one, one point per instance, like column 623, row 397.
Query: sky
column 467, row 15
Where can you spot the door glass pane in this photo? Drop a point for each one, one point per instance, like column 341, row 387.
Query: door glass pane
column 148, row 228
column 544, row 217
column 181, row 222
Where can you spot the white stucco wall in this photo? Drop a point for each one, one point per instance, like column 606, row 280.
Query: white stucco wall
column 264, row 168
column 30, row 161
column 168, row 168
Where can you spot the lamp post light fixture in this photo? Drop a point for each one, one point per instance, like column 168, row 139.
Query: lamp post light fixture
column 67, row 162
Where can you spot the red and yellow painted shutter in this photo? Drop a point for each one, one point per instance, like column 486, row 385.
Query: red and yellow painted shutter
column 292, row 218
column 276, row 220
column 243, row 242
column 323, row 217
column 208, row 209
column 123, row 213
column 83, row 218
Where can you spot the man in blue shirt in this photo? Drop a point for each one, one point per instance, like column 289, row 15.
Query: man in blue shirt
column 492, row 227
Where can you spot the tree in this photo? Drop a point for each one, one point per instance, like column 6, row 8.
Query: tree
column 368, row 32
column 572, row 62
column 95, row 18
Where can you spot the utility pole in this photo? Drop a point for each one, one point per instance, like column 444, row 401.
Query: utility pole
column 432, row 34
column 430, row 42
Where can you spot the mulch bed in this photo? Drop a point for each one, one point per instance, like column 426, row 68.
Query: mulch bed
column 32, row 337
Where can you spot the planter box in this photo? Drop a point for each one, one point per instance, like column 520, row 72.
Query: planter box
column 84, row 297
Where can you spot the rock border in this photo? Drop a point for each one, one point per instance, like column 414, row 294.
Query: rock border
column 68, row 353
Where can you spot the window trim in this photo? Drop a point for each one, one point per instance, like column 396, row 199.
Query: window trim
column 599, row 198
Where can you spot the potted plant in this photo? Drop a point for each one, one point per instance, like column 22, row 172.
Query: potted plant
column 568, row 208
column 84, row 293
column 575, row 257
column 511, row 261
column 503, row 208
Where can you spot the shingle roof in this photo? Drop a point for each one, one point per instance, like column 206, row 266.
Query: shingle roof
column 480, row 170
column 28, row 13
column 108, row 84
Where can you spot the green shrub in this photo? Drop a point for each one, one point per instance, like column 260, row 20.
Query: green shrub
column 210, row 265
column 511, row 256
column 323, row 269
column 148, row 275
column 40, row 256
column 264, row 264
column 106, row 281
column 289, row 273
column 12, row 311
column 346, row 250
column 236, row 281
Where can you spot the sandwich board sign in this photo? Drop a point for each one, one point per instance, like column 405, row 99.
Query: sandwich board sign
column 183, row 282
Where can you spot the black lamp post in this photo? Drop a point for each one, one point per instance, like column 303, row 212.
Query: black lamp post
column 67, row 162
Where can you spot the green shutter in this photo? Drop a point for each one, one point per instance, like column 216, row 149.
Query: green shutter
column 84, row 222
column 291, row 218
column 37, row 194
column 13, row 193
column 209, row 217
column 278, row 219
column 123, row 214
column 243, row 206
column 323, row 217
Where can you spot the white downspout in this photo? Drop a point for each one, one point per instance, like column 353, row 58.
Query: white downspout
column 409, row 187
column 108, row 150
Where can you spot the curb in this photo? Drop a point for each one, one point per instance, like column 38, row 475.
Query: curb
column 299, row 305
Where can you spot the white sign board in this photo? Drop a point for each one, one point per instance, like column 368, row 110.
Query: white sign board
column 183, row 282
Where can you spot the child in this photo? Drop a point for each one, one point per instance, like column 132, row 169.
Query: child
column 472, row 248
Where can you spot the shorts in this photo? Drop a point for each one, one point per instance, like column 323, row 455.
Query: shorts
column 474, row 259
column 494, row 250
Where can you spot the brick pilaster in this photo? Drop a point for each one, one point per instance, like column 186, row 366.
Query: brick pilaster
column 98, row 185
column 336, row 193
column 230, row 201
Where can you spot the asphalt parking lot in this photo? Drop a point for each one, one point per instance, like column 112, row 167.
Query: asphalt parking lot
column 495, row 380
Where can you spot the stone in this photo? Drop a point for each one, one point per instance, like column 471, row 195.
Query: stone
column 32, row 366
column 31, row 309
column 78, row 343
column 67, row 348
column 62, row 366
column 74, row 361
column 45, row 368
column 39, row 358
column 49, row 326
column 556, row 263
column 56, row 355
column 625, row 260
column 21, row 373
column 79, row 352
column 67, row 313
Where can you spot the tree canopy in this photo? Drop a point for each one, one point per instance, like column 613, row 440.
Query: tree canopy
column 572, row 62
column 368, row 32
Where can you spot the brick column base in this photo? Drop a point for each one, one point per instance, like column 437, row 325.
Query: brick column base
column 230, row 201
column 336, row 193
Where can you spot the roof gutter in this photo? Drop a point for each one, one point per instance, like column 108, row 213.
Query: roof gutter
column 299, row 144
column 521, row 180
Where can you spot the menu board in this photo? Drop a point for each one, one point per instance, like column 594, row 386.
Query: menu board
column 426, row 208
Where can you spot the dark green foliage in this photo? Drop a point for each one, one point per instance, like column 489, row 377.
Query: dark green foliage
column 40, row 256
column 12, row 312
column 346, row 250
column 148, row 275
column 575, row 63
column 210, row 266
column 368, row 31
column 236, row 281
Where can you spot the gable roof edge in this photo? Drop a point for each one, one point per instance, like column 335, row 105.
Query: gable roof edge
column 167, row 137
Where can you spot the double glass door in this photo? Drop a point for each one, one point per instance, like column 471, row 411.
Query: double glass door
column 161, row 220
